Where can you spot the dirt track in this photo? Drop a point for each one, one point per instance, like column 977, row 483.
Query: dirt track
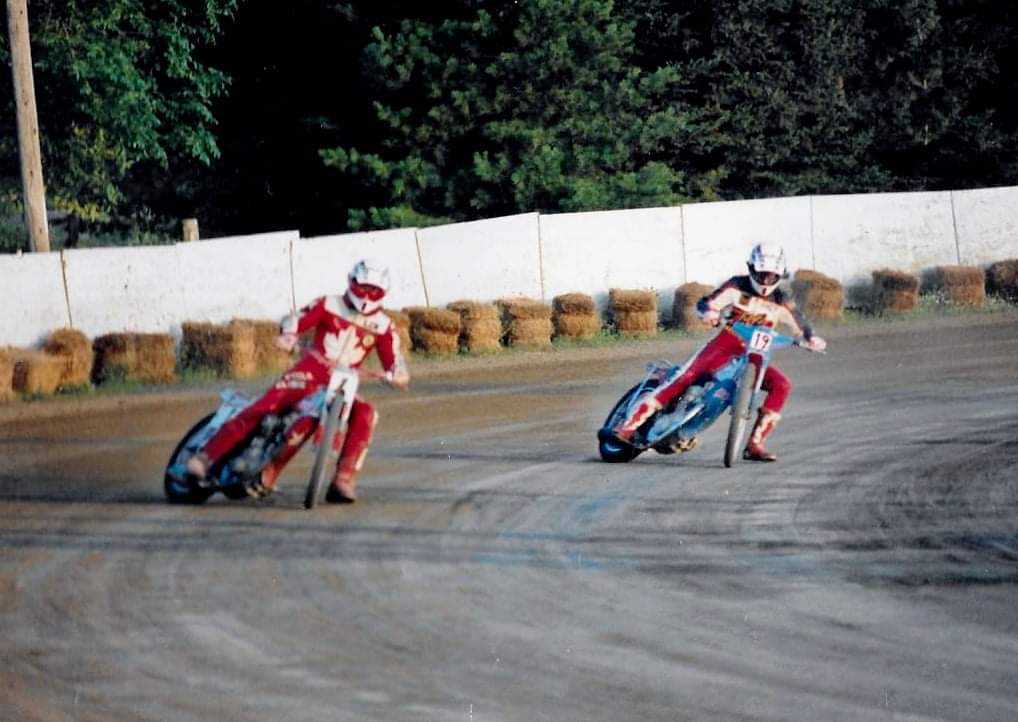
column 495, row 570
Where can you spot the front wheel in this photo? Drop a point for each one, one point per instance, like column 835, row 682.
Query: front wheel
column 325, row 455
column 185, row 491
column 740, row 415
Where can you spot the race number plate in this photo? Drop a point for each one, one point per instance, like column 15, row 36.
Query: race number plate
column 761, row 341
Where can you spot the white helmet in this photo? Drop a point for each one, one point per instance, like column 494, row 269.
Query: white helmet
column 767, row 267
column 367, row 285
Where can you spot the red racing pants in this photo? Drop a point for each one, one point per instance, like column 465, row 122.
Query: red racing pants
column 719, row 351
column 301, row 380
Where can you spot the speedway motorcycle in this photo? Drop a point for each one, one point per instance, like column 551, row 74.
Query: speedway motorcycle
column 735, row 387
column 238, row 475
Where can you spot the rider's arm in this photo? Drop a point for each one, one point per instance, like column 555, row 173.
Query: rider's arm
column 308, row 317
column 389, row 353
column 725, row 295
column 792, row 317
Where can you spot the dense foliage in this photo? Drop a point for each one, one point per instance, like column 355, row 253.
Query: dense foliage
column 344, row 115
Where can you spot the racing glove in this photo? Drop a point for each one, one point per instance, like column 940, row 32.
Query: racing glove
column 815, row 343
column 711, row 317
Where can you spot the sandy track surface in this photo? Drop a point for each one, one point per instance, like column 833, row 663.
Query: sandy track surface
column 496, row 570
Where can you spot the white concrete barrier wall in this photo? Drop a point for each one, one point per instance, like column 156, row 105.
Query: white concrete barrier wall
column 719, row 236
column 243, row 277
column 858, row 234
column 320, row 265
column 987, row 225
column 32, row 298
column 124, row 289
column 155, row 288
column 481, row 260
column 594, row 252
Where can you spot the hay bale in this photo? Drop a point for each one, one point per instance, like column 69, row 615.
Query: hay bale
column 577, row 325
column 820, row 297
column 480, row 327
column 76, row 351
column 141, row 357
column 1002, row 280
column 894, row 291
column 574, row 304
column 684, row 306
column 473, row 311
column 227, row 350
column 523, row 309
column 636, row 323
column 627, row 301
column 36, row 372
column 6, row 375
column 575, row 316
column 529, row 332
column 482, row 335
column 434, row 330
column 401, row 322
column 527, row 322
column 431, row 341
column 957, row 285
column 267, row 355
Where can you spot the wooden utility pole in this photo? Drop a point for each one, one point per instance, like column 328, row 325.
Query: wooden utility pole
column 190, row 228
column 28, row 126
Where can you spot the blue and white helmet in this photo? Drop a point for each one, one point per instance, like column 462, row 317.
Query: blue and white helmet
column 767, row 267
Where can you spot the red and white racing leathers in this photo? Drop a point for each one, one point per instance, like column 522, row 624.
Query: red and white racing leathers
column 744, row 304
column 342, row 337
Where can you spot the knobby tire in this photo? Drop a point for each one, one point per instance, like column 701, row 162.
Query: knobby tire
column 320, row 470
column 740, row 415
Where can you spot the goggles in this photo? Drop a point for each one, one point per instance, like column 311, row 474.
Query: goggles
column 366, row 290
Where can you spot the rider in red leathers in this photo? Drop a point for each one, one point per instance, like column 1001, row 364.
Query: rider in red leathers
column 753, row 299
column 346, row 329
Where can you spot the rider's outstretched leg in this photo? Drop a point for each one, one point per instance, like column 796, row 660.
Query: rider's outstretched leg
column 360, row 429
column 295, row 436
column 645, row 408
column 765, row 423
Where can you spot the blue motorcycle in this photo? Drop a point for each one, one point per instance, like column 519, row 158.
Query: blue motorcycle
column 674, row 429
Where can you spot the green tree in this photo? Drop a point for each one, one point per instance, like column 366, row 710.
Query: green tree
column 822, row 96
column 120, row 87
column 529, row 106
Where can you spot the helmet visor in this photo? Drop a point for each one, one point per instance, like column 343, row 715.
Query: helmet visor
column 367, row 291
column 766, row 278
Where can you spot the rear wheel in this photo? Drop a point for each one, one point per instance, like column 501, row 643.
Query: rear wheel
column 611, row 449
column 740, row 415
column 185, row 491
